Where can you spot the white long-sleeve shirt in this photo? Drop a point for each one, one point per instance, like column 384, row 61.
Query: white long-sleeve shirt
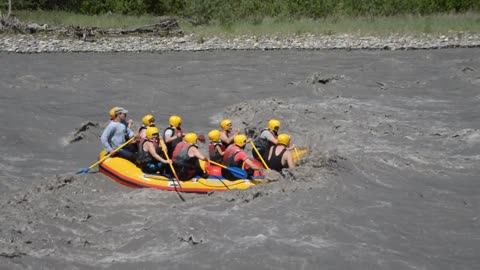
column 114, row 135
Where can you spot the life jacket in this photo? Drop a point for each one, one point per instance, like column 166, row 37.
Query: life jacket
column 143, row 157
column 213, row 154
column 171, row 145
column 275, row 161
column 262, row 144
column 229, row 156
column 185, row 165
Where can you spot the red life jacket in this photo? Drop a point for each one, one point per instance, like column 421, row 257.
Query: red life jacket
column 213, row 154
column 185, row 166
column 178, row 148
column 229, row 156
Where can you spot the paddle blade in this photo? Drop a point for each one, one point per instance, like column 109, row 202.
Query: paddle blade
column 83, row 171
column 237, row 172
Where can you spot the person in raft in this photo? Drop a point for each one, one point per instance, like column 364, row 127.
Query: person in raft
column 186, row 158
column 226, row 135
column 147, row 121
column 266, row 139
column 148, row 157
column 116, row 133
column 215, row 152
column 112, row 114
column 280, row 155
column 235, row 156
column 173, row 134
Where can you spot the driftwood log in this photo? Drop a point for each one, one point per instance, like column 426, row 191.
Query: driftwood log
column 11, row 24
column 166, row 26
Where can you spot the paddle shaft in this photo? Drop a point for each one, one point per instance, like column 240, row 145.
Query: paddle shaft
column 107, row 156
column 218, row 164
column 260, row 156
column 164, row 148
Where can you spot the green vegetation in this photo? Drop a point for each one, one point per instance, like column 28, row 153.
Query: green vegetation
column 401, row 24
column 261, row 17
column 205, row 11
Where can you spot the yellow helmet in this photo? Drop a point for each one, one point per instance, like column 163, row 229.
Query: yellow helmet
column 148, row 120
column 112, row 112
column 151, row 131
column 284, row 139
column 191, row 138
column 214, row 135
column 175, row 120
column 224, row 124
column 240, row 140
column 273, row 123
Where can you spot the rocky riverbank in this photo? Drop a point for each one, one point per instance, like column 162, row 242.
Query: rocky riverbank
column 42, row 43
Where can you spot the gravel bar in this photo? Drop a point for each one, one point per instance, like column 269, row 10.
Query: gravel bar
column 46, row 43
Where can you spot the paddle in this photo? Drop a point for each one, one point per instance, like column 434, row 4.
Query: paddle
column 296, row 153
column 164, row 148
column 237, row 172
column 105, row 157
column 260, row 156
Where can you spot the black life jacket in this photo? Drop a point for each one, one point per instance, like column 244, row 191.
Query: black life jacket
column 143, row 157
column 225, row 145
column 171, row 145
column 275, row 161
column 262, row 144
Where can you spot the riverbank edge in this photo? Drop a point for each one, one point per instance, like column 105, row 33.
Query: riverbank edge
column 44, row 43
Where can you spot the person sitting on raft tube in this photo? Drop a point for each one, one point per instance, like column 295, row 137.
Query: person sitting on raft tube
column 279, row 155
column 173, row 134
column 186, row 158
column 147, row 157
column 147, row 121
column 235, row 156
column 116, row 133
column 215, row 151
column 226, row 135
column 266, row 139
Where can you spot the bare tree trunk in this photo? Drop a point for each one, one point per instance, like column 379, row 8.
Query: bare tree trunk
column 9, row 8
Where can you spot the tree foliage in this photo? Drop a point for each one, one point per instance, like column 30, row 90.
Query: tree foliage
column 205, row 11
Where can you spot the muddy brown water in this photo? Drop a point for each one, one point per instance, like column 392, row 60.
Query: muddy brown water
column 391, row 180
